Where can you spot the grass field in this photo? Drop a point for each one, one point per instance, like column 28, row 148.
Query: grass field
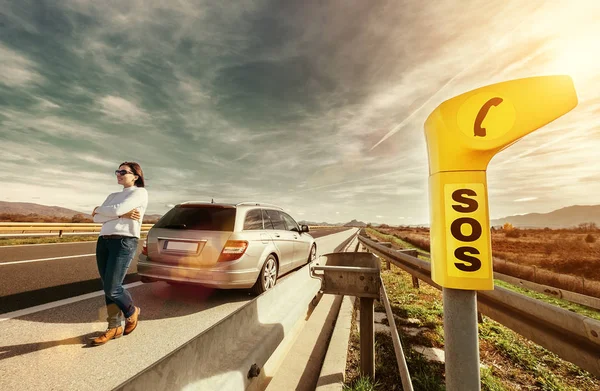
column 580, row 309
column 52, row 239
column 510, row 362
column 561, row 251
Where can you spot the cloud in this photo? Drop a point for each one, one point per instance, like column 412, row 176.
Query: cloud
column 45, row 104
column 95, row 160
column 526, row 199
column 17, row 70
column 283, row 102
column 121, row 110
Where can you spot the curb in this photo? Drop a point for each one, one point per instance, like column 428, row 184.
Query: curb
column 333, row 371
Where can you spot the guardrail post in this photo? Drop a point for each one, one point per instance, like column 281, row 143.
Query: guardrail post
column 367, row 338
column 461, row 340
column 415, row 281
column 60, row 233
column 387, row 262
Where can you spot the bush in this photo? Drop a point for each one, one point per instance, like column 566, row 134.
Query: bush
column 590, row 238
column 80, row 218
column 513, row 233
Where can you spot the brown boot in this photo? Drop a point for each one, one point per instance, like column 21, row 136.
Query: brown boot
column 109, row 334
column 132, row 321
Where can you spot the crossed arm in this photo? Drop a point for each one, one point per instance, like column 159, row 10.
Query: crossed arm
column 124, row 209
column 98, row 218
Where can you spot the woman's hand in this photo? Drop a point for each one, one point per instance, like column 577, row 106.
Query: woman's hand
column 94, row 212
column 133, row 214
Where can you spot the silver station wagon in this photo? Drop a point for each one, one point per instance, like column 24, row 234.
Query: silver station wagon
column 245, row 245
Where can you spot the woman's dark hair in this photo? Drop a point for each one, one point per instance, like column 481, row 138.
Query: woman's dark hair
column 137, row 170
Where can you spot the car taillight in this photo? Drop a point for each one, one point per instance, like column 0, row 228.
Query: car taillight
column 233, row 250
column 145, row 247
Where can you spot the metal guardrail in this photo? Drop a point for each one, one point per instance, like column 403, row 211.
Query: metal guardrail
column 400, row 358
column 550, row 290
column 19, row 230
column 573, row 337
column 16, row 230
column 573, row 297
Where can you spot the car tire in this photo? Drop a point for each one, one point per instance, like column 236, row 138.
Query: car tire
column 312, row 255
column 267, row 277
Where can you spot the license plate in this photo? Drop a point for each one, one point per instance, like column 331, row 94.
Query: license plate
column 182, row 246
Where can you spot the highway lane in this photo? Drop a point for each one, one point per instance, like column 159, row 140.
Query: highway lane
column 49, row 349
column 60, row 271
column 53, row 277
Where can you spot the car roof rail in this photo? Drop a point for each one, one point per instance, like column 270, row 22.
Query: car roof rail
column 203, row 203
column 251, row 203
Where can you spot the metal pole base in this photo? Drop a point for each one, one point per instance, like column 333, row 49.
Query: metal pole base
column 461, row 340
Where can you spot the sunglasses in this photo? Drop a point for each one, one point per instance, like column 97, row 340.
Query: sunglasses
column 123, row 172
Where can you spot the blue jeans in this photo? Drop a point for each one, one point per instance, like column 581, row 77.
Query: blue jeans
column 113, row 257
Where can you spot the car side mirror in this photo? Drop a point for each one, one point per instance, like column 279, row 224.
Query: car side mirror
column 304, row 228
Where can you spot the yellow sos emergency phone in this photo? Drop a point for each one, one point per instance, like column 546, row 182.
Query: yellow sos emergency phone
column 463, row 134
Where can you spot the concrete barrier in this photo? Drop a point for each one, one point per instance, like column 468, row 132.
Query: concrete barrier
column 231, row 354
column 221, row 358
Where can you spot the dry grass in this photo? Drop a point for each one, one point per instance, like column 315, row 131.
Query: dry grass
column 53, row 239
column 511, row 362
column 561, row 251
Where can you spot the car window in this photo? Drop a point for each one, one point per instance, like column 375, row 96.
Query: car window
column 290, row 222
column 276, row 219
column 253, row 220
column 267, row 220
column 203, row 218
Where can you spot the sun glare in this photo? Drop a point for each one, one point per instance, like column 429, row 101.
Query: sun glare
column 578, row 56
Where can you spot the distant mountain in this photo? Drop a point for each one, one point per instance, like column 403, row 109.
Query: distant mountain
column 570, row 216
column 25, row 208
column 312, row 223
column 355, row 223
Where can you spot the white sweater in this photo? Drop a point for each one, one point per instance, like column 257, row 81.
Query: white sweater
column 117, row 204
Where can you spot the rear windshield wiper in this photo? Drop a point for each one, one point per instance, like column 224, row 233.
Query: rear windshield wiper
column 176, row 226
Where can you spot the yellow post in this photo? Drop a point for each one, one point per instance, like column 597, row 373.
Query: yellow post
column 463, row 134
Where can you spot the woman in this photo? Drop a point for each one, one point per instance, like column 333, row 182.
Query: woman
column 121, row 215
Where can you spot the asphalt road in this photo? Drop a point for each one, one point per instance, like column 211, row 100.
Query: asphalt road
column 47, row 347
column 36, row 274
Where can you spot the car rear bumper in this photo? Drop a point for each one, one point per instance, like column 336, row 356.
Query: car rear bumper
column 222, row 279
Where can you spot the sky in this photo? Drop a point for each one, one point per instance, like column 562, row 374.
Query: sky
column 316, row 106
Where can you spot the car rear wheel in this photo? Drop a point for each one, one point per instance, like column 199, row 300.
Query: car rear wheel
column 312, row 256
column 267, row 277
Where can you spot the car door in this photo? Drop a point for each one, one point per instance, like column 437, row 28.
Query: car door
column 282, row 239
column 300, row 245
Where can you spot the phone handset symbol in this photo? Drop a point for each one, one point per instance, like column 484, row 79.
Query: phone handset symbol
column 479, row 131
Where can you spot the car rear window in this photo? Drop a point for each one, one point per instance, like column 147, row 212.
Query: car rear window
column 201, row 218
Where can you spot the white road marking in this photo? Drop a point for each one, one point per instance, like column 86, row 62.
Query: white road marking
column 47, row 259
column 54, row 304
